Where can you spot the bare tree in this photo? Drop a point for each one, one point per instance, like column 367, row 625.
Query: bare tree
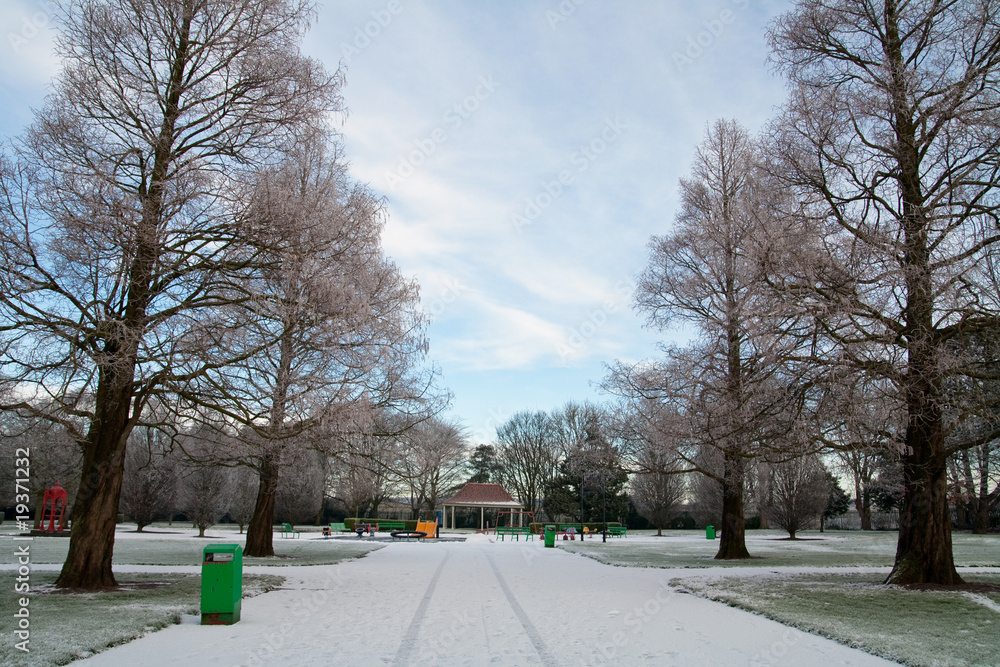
column 735, row 389
column 892, row 140
column 301, row 496
column 528, row 449
column 975, row 474
column 362, row 475
column 149, row 483
column 799, row 492
column 243, row 496
column 335, row 337
column 204, row 494
column 114, row 215
column 53, row 457
column 868, row 428
column 656, row 495
column 433, row 463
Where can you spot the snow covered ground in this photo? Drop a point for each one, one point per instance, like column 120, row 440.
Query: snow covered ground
column 481, row 603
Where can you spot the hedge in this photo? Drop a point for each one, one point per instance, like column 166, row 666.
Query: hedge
column 349, row 522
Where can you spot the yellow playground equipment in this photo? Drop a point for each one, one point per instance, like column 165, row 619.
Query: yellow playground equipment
column 428, row 527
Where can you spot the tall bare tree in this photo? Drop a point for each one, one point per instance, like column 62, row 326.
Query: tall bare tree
column 799, row 491
column 892, row 141
column 149, row 483
column 433, row 463
column 735, row 388
column 114, row 224
column 658, row 492
column 335, row 334
column 528, row 451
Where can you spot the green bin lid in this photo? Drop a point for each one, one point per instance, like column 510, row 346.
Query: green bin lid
column 223, row 548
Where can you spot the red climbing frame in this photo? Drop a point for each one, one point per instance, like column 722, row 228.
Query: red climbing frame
column 53, row 505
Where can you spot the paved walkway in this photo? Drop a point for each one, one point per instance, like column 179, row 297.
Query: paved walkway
column 480, row 603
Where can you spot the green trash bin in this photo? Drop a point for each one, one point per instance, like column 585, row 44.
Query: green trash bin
column 221, row 584
column 709, row 532
column 550, row 536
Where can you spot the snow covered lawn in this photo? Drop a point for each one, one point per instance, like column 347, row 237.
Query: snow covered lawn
column 66, row 627
column 682, row 548
column 941, row 628
column 180, row 545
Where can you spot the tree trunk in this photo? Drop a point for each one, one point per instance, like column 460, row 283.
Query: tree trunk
column 862, row 504
column 88, row 563
column 659, row 531
column 201, row 531
column 981, row 519
column 260, row 532
column 95, row 511
column 923, row 553
column 732, row 542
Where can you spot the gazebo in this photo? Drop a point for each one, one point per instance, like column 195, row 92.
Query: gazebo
column 483, row 496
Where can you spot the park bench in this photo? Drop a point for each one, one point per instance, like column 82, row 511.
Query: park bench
column 287, row 530
column 514, row 531
column 390, row 525
column 617, row 531
column 332, row 528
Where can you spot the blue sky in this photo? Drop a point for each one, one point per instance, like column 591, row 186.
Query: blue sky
column 527, row 150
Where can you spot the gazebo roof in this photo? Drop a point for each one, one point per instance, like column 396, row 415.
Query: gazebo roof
column 483, row 495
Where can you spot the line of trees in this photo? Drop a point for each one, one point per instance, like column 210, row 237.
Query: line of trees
column 840, row 272
column 184, row 251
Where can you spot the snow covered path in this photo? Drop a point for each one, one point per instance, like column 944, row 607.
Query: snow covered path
column 479, row 603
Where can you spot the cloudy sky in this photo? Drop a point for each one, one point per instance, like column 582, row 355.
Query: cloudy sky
column 527, row 150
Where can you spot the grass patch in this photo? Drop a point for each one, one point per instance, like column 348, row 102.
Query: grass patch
column 69, row 626
column 690, row 549
column 939, row 628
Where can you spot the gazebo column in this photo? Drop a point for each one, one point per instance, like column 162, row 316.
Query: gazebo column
column 480, row 518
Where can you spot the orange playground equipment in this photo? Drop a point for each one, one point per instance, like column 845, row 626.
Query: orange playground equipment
column 429, row 528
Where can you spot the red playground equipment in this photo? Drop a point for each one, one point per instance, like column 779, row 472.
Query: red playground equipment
column 53, row 505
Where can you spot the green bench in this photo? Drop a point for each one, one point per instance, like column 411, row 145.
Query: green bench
column 617, row 531
column 390, row 525
column 332, row 528
column 287, row 530
column 514, row 531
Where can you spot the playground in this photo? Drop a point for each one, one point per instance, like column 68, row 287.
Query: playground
column 478, row 599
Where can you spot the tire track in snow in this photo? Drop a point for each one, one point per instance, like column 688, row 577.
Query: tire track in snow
column 529, row 628
column 410, row 638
